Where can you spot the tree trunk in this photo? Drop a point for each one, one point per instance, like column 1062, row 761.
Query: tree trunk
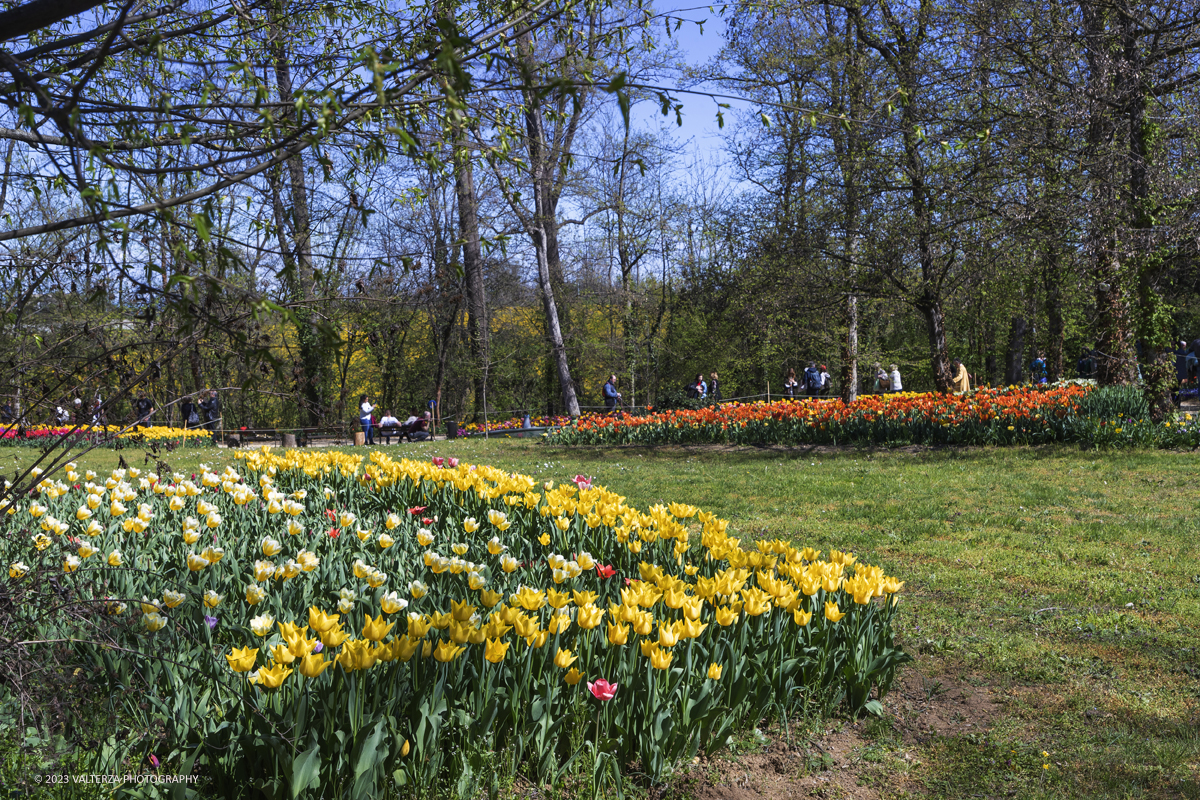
column 1015, row 355
column 850, row 351
column 557, row 350
column 935, row 321
column 298, row 258
column 478, row 331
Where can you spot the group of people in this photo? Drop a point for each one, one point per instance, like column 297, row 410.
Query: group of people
column 887, row 380
column 701, row 389
column 416, row 428
column 814, row 381
column 201, row 410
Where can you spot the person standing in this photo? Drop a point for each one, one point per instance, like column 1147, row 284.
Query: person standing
column 1037, row 370
column 187, row 410
column 714, row 388
column 212, row 414
column 894, row 379
column 960, row 381
column 701, row 387
column 364, row 418
column 826, row 381
column 611, row 395
column 790, row 384
column 143, row 409
column 62, row 417
column 99, row 415
column 80, row 416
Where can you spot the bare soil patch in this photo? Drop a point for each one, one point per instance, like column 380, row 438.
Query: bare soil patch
column 844, row 761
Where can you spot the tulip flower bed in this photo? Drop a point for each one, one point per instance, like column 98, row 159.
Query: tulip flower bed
column 516, row 423
column 365, row 627
column 1003, row 416
column 111, row 435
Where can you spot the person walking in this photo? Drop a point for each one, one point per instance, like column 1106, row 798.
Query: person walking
column 611, row 395
column 790, row 384
column 883, row 381
column 364, row 417
column 812, row 380
column 714, row 388
column 826, row 381
column 960, row 381
column 894, row 380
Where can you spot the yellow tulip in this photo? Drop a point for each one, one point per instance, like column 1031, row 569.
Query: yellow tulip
column 319, row 621
column 282, row 654
column 242, row 659
column 573, row 676
column 418, row 625
column 196, row 563
column 589, row 616
column 357, row 654
column 564, row 658
column 470, row 525
column 660, row 659
column 495, row 650
column 618, row 634
column 726, row 616
column 832, row 613
column 537, row 639
column 404, row 647
column 333, row 637
column 544, row 539
column 447, row 652
column 461, row 610
column 489, row 598
column 254, row 594
column 376, row 629
column 667, row 635
column 312, row 665
column 801, row 617
column 714, row 671
column 114, row 558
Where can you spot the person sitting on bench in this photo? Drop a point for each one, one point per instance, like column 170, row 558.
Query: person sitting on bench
column 389, row 426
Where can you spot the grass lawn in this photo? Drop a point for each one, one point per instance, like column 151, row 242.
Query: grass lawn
column 1052, row 596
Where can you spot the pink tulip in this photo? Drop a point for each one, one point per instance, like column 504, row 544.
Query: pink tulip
column 452, row 462
column 602, row 689
column 438, row 461
column 583, row 482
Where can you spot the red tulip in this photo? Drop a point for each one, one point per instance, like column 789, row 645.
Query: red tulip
column 438, row 461
column 605, row 570
column 416, row 509
column 602, row 689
